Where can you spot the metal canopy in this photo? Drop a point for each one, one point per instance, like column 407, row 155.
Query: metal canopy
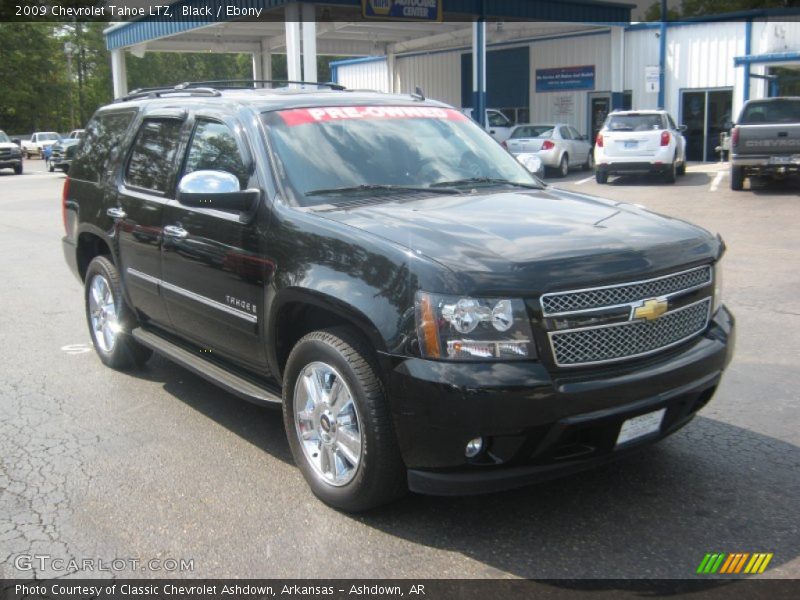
column 340, row 29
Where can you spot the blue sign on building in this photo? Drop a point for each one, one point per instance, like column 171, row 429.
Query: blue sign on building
column 403, row 10
column 565, row 79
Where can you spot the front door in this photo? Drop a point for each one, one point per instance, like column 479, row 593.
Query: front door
column 212, row 271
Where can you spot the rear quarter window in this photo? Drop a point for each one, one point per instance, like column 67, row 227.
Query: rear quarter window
column 773, row 111
column 99, row 144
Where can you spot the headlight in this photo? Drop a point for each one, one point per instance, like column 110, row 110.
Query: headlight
column 717, row 287
column 459, row 328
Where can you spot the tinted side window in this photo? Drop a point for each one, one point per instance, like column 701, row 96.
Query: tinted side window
column 497, row 120
column 565, row 134
column 214, row 148
column 153, row 156
column 100, row 141
column 575, row 134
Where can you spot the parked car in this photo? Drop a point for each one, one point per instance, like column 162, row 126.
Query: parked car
column 766, row 140
column 640, row 141
column 427, row 314
column 558, row 145
column 76, row 134
column 38, row 142
column 497, row 124
column 10, row 154
column 62, row 153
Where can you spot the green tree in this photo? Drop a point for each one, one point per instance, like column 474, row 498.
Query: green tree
column 32, row 79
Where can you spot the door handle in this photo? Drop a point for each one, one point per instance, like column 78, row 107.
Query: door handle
column 116, row 213
column 174, row 231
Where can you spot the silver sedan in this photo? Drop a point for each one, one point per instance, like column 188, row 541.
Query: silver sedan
column 559, row 146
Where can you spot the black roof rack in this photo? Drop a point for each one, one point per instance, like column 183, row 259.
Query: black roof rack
column 211, row 88
column 158, row 92
column 251, row 83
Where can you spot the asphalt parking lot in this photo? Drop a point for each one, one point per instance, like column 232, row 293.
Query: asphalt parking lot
column 159, row 464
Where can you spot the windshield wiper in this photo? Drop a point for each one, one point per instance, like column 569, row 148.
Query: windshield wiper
column 381, row 187
column 488, row 180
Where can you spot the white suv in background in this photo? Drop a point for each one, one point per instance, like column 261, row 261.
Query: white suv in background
column 640, row 141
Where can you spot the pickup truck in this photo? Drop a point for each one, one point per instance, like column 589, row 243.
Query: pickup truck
column 498, row 125
column 38, row 142
column 766, row 140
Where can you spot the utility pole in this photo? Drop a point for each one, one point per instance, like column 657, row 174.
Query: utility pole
column 69, row 50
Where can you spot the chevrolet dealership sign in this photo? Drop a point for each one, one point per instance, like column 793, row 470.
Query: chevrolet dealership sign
column 403, row 10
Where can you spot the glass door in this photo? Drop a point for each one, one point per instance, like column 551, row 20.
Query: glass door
column 599, row 107
column 705, row 114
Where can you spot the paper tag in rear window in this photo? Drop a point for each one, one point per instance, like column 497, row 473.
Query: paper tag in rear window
column 303, row 116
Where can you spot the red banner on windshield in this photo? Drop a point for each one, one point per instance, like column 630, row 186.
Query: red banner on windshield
column 303, row 116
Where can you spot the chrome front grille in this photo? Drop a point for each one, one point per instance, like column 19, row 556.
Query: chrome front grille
column 608, row 343
column 615, row 295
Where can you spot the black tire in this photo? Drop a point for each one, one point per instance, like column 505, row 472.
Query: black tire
column 380, row 476
column 125, row 352
column 601, row 176
column 589, row 164
column 18, row 169
column 671, row 174
column 28, row 155
column 737, row 179
column 563, row 166
column 681, row 170
column 51, row 167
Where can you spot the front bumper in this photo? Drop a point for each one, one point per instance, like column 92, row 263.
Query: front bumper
column 8, row 163
column 538, row 424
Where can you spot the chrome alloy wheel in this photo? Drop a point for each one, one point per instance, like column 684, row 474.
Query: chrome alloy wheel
column 103, row 313
column 327, row 423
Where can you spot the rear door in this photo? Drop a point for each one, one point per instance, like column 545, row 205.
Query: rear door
column 633, row 135
column 213, row 270
column 147, row 185
column 581, row 147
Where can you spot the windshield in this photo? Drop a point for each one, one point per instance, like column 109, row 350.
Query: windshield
column 533, row 131
column 773, row 111
column 4, row 138
column 355, row 148
column 634, row 123
column 46, row 137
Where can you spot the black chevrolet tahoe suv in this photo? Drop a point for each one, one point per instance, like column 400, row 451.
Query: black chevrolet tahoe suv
column 427, row 313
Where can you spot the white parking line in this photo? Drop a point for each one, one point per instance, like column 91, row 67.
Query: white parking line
column 715, row 183
column 582, row 181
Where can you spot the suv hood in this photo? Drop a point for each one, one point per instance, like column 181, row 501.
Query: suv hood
column 6, row 145
column 534, row 241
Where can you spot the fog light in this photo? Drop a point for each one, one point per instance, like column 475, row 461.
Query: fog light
column 474, row 447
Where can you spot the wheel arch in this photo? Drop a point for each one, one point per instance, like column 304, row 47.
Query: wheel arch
column 91, row 243
column 297, row 312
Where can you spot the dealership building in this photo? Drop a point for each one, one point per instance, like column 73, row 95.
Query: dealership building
column 568, row 61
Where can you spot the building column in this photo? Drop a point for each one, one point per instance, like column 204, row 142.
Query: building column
column 266, row 60
column 662, row 55
column 119, row 74
column 309, row 43
column 391, row 64
column 617, row 67
column 293, row 52
column 479, row 71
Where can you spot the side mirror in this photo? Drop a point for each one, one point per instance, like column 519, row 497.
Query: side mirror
column 729, row 125
column 215, row 189
column 682, row 128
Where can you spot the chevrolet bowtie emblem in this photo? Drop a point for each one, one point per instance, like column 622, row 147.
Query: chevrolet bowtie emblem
column 650, row 309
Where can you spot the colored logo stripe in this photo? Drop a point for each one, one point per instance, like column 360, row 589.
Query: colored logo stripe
column 734, row 563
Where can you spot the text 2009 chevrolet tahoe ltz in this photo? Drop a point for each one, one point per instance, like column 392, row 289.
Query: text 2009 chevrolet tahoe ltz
column 428, row 314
